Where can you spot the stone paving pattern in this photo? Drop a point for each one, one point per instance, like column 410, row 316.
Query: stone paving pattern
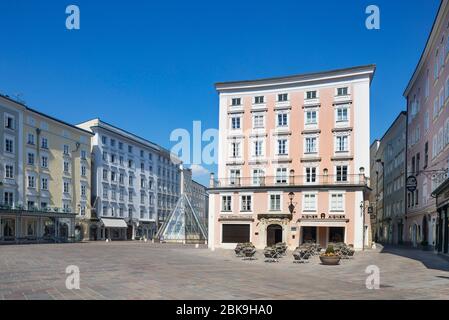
column 136, row 270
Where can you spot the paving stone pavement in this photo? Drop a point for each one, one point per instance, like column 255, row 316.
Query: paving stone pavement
column 136, row 270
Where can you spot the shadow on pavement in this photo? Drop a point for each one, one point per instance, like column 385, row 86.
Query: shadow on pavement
column 429, row 259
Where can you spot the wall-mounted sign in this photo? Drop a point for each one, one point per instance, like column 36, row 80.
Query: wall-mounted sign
column 411, row 184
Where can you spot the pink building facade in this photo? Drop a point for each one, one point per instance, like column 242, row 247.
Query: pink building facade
column 427, row 97
column 301, row 140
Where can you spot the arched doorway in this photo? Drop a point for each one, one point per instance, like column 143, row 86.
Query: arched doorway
column 274, row 234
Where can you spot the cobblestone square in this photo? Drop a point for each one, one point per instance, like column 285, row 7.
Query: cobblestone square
column 136, row 270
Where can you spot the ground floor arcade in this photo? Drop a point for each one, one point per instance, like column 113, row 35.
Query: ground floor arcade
column 31, row 227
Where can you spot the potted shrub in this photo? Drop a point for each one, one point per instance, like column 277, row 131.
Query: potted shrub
column 330, row 258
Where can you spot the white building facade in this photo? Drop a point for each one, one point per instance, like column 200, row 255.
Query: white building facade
column 135, row 183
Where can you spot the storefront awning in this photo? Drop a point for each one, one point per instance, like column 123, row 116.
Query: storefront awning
column 114, row 223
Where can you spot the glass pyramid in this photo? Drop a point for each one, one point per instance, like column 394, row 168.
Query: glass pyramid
column 183, row 224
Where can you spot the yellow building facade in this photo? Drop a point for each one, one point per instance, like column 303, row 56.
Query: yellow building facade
column 53, row 202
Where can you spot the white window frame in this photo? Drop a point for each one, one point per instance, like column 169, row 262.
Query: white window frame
column 242, row 209
column 280, row 194
column 239, row 120
column 287, row 114
column 279, row 179
column 5, row 121
column 305, row 208
column 332, row 209
column 258, row 114
column 222, row 203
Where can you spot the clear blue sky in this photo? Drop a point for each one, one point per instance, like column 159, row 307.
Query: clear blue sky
column 149, row 66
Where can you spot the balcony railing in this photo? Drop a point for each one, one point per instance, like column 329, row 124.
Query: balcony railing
column 21, row 208
column 280, row 181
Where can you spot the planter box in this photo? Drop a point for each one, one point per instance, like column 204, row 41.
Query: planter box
column 330, row 261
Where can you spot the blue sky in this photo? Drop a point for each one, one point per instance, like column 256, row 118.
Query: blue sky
column 149, row 66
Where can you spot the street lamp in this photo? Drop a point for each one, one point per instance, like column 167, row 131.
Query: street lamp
column 291, row 207
column 362, row 207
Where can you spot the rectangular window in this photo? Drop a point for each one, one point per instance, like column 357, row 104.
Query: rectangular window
column 9, row 122
column 282, row 97
column 311, row 95
column 226, row 204
column 66, row 149
column 66, row 187
column 44, row 162
column 342, row 91
column 83, row 190
column 310, row 175
column 258, row 148
column 235, row 177
column 236, row 101
column 9, row 145
column 112, row 142
column 341, row 143
column 311, row 145
column 246, row 203
column 105, row 174
column 130, row 149
column 83, row 154
column 235, row 149
column 282, row 147
column 311, row 117
column 44, row 184
column 235, row 123
column 83, row 171
column 282, row 119
column 66, row 167
column 337, row 203
column 310, row 200
column 104, row 140
column 8, row 198
column 9, row 171
column 31, row 182
column 258, row 177
column 30, row 159
column 44, row 143
column 281, row 175
column 342, row 173
column 258, row 121
column 275, row 202
column 259, row 100
column 342, row 114
column 30, row 138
